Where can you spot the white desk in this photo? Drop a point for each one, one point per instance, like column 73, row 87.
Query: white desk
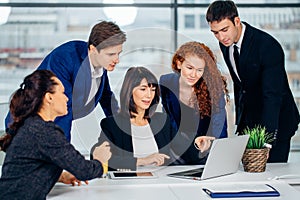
column 288, row 172
column 168, row 188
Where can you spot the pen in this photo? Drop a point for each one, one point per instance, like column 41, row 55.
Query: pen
column 105, row 169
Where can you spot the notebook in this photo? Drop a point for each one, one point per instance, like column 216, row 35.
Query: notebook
column 223, row 159
column 239, row 190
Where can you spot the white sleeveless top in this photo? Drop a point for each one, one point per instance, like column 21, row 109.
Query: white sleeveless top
column 143, row 141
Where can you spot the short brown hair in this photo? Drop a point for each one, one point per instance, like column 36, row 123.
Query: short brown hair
column 106, row 34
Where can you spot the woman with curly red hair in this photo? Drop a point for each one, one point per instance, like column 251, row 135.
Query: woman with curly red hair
column 194, row 98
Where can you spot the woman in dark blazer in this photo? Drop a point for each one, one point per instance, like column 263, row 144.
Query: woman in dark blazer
column 117, row 130
column 137, row 135
column 193, row 98
column 37, row 151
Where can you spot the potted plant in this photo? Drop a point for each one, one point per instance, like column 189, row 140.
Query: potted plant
column 257, row 149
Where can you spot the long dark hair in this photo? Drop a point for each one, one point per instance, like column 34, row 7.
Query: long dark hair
column 27, row 101
column 133, row 78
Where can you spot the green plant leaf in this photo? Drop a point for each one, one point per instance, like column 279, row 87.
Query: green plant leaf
column 257, row 137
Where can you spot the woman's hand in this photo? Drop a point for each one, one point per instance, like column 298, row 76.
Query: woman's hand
column 68, row 178
column 102, row 152
column 203, row 143
column 156, row 159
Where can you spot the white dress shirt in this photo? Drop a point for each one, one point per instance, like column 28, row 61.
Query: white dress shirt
column 96, row 80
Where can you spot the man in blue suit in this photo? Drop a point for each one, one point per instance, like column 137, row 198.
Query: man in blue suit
column 256, row 64
column 82, row 68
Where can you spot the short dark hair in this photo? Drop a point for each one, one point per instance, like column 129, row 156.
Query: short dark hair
column 133, row 78
column 219, row 10
column 106, row 34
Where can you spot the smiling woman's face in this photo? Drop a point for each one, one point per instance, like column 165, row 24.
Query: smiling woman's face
column 143, row 95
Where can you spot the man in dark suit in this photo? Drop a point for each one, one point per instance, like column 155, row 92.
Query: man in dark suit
column 82, row 68
column 261, row 90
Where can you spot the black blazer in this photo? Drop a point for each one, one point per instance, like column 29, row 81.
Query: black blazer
column 117, row 131
column 214, row 126
column 263, row 95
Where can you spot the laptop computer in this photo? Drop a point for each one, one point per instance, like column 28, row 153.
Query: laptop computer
column 223, row 159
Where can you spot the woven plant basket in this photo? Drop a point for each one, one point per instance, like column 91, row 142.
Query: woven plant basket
column 255, row 160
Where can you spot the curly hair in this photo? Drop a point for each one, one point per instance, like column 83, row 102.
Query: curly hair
column 212, row 85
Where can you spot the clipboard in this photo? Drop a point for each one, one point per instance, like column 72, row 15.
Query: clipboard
column 258, row 190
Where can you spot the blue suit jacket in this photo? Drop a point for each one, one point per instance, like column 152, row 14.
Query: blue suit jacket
column 214, row 126
column 70, row 63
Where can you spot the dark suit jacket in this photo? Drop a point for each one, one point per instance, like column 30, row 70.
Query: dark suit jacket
column 70, row 63
column 263, row 95
column 117, row 131
column 37, row 155
column 215, row 125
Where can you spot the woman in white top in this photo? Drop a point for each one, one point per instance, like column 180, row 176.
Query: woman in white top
column 138, row 135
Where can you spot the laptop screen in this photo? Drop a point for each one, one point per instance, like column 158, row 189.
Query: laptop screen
column 224, row 158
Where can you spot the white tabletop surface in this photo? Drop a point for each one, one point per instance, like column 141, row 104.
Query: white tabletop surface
column 279, row 176
column 285, row 177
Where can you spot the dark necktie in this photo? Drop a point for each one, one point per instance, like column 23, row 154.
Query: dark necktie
column 236, row 57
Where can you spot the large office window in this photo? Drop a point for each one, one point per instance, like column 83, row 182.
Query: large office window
column 189, row 21
column 32, row 28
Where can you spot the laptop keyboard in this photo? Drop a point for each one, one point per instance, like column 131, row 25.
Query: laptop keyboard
column 193, row 173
